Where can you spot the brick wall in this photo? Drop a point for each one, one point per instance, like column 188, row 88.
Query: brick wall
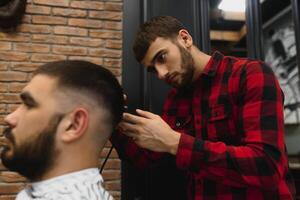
column 54, row 30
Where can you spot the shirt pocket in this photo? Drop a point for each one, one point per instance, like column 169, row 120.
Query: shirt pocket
column 183, row 124
column 220, row 124
column 217, row 113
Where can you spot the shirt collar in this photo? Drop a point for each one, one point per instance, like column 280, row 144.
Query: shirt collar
column 67, row 179
column 211, row 67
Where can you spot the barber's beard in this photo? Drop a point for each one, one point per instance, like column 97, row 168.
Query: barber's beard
column 187, row 64
column 34, row 157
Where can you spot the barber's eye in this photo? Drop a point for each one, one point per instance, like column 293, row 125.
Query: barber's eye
column 161, row 58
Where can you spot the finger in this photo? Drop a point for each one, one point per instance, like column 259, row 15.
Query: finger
column 146, row 114
column 133, row 118
column 128, row 127
column 130, row 134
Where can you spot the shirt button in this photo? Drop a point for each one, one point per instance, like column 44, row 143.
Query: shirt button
column 177, row 124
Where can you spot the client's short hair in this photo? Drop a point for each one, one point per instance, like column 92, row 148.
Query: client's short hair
column 93, row 79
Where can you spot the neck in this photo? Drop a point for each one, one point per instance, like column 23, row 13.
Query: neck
column 69, row 167
column 200, row 61
column 71, row 160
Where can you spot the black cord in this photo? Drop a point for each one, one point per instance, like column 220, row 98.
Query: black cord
column 103, row 164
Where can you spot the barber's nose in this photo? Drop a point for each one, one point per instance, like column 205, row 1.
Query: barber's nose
column 161, row 72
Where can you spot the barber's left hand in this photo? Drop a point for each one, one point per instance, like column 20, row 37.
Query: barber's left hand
column 150, row 131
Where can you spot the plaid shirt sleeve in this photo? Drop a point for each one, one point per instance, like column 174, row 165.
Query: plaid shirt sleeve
column 260, row 160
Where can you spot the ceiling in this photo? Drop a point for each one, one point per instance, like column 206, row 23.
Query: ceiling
column 228, row 29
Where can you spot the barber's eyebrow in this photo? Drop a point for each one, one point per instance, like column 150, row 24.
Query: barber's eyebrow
column 27, row 99
column 155, row 57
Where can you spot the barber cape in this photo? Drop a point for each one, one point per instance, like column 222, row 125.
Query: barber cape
column 81, row 185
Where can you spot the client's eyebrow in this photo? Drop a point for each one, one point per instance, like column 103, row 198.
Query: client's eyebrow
column 28, row 99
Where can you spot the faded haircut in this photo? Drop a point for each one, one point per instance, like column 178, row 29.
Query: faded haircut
column 93, row 79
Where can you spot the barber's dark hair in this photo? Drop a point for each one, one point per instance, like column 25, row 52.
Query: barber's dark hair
column 161, row 26
column 94, row 79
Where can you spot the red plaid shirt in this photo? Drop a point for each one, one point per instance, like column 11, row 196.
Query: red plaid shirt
column 232, row 133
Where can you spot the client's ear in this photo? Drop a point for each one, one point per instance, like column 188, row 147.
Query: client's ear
column 75, row 125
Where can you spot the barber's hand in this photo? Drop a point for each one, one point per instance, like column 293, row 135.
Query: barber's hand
column 150, row 131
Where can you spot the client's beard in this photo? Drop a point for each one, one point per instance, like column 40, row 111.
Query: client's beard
column 34, row 157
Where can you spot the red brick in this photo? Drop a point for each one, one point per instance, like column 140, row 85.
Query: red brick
column 40, row 19
column 3, row 66
column 113, row 44
column 3, row 124
column 113, row 6
column 3, row 88
column 11, row 188
column 13, row 76
column 34, row 9
column 63, row 3
column 69, row 50
column 9, row 98
column 95, row 60
column 89, row 42
column 25, row 67
column 26, row 19
column 2, row 108
column 110, row 15
column 65, row 30
column 27, row 47
column 111, row 163
column 46, row 57
column 30, row 28
column 105, row 53
column 9, row 197
column 105, row 151
column 112, row 25
column 15, row 37
column 66, row 12
column 86, row 23
column 112, row 185
column 106, row 34
column 14, row 56
column 111, row 175
column 12, row 177
column 112, row 62
column 94, row 5
column 5, row 46
column 51, row 39
column 116, row 194
column 16, row 87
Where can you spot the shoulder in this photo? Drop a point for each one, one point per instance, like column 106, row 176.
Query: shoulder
column 23, row 195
